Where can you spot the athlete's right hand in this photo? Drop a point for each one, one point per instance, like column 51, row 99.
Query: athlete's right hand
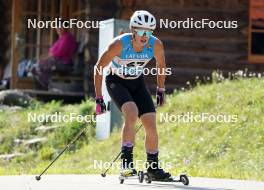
column 100, row 105
column 160, row 96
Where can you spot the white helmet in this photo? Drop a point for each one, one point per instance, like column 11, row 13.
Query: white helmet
column 143, row 19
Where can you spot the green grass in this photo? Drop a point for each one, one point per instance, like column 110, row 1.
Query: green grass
column 212, row 149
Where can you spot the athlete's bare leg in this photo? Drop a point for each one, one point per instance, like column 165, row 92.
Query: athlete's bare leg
column 130, row 111
column 151, row 135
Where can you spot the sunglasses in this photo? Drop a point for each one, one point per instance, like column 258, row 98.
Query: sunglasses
column 141, row 32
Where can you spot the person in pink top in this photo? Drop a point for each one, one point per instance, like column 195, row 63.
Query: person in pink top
column 64, row 47
column 59, row 58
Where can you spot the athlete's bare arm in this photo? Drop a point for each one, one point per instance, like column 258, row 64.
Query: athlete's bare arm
column 161, row 65
column 113, row 49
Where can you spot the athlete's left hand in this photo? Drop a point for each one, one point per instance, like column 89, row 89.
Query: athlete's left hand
column 100, row 105
column 160, row 95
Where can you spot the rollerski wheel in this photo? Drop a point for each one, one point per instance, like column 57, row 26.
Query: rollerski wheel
column 121, row 180
column 148, row 178
column 141, row 176
column 184, row 179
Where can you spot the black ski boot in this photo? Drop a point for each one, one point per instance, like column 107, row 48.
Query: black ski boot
column 127, row 166
column 154, row 171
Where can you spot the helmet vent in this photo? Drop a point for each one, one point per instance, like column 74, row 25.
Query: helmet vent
column 138, row 23
column 146, row 18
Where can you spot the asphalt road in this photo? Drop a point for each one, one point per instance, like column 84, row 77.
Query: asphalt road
column 96, row 182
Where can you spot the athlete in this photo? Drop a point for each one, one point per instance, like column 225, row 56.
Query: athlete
column 128, row 54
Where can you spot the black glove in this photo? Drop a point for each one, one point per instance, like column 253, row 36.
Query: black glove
column 160, row 95
column 100, row 105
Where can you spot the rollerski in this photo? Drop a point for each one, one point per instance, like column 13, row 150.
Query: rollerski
column 155, row 173
column 166, row 177
column 127, row 167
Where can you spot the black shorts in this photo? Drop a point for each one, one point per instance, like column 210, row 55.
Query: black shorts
column 122, row 91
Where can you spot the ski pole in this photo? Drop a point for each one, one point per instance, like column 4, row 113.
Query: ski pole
column 104, row 174
column 38, row 177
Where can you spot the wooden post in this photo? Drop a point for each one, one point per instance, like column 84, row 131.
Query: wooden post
column 39, row 30
column 52, row 18
column 63, row 9
column 249, row 32
column 14, row 54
